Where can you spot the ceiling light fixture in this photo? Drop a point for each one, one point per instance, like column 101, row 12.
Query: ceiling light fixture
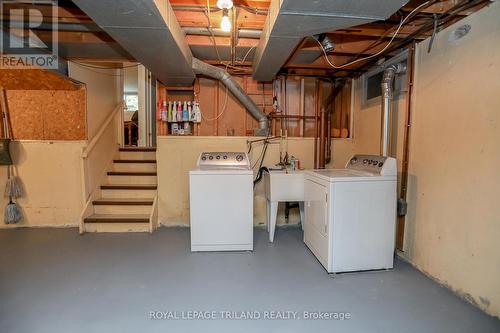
column 225, row 23
column 325, row 41
column 225, row 4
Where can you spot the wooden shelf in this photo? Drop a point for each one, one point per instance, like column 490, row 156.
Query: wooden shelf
column 180, row 88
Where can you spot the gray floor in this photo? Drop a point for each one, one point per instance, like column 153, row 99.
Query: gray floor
column 53, row 280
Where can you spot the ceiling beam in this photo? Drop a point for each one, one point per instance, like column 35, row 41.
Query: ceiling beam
column 149, row 31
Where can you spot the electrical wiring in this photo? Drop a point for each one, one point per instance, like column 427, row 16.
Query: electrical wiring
column 214, row 42
column 246, row 55
column 101, row 67
column 95, row 68
column 380, row 40
column 262, row 154
column 91, row 69
column 379, row 52
column 224, row 106
column 212, row 36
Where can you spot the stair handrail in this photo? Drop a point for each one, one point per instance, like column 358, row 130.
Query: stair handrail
column 86, row 151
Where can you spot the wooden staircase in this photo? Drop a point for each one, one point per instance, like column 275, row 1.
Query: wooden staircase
column 126, row 200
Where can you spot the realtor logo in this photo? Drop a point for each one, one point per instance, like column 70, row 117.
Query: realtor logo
column 29, row 35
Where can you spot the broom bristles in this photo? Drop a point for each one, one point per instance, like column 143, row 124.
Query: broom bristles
column 12, row 213
column 13, row 187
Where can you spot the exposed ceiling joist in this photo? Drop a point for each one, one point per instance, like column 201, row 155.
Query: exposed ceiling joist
column 289, row 21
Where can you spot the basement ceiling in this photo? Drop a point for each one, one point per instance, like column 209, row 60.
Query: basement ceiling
column 81, row 39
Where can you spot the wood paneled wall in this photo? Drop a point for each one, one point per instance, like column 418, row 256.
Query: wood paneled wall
column 298, row 99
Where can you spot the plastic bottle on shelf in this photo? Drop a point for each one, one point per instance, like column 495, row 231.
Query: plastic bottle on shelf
column 198, row 112
column 164, row 111
column 173, row 117
column 179, row 111
column 185, row 114
column 192, row 114
column 175, row 129
column 169, row 112
column 190, row 110
column 158, row 112
column 187, row 128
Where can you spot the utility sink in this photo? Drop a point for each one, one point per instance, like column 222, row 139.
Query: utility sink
column 282, row 186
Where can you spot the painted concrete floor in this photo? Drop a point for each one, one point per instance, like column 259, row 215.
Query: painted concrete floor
column 53, row 280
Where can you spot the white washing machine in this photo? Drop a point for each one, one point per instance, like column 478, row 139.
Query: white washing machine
column 221, row 202
column 350, row 214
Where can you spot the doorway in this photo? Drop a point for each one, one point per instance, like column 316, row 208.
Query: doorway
column 139, row 93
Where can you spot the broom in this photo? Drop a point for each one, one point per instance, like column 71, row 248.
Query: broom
column 12, row 189
column 12, row 213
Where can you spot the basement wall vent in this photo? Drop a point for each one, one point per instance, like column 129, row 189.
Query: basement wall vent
column 459, row 32
column 371, row 92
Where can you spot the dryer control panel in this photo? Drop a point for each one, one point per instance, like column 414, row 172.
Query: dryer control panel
column 380, row 165
column 223, row 161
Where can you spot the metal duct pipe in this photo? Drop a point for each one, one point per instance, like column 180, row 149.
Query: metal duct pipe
column 203, row 31
column 387, row 96
column 200, row 67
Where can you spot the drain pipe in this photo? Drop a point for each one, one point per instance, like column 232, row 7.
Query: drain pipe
column 200, row 67
column 387, row 96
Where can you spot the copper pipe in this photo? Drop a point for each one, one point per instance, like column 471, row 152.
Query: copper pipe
column 406, row 145
column 316, row 125
column 328, row 158
column 302, row 110
column 330, row 101
column 290, row 116
column 322, row 138
column 285, row 110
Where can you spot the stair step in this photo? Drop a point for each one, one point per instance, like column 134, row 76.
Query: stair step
column 138, row 166
column 133, row 179
column 134, row 161
column 138, row 149
column 122, row 202
column 115, row 218
column 138, row 155
column 131, row 173
column 128, row 191
column 129, row 187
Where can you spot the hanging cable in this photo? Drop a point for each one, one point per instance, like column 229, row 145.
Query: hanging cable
column 379, row 52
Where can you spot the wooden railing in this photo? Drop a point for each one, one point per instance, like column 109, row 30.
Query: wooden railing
column 90, row 185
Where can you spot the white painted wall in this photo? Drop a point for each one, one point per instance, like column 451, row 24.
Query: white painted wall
column 51, row 176
column 104, row 92
column 453, row 223
column 177, row 155
column 131, row 78
column 51, row 171
column 453, row 226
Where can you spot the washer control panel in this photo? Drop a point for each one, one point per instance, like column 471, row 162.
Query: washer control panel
column 223, row 161
column 380, row 165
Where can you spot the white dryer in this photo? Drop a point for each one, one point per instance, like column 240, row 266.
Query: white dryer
column 221, row 202
column 350, row 214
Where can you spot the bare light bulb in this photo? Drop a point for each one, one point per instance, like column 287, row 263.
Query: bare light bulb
column 225, row 24
column 225, row 4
